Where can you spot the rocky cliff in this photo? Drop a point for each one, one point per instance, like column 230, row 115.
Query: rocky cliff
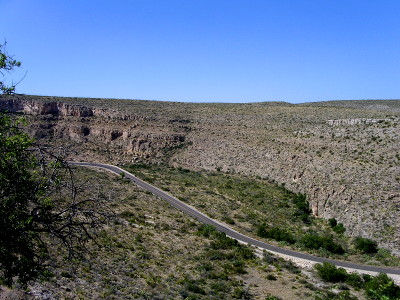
column 95, row 133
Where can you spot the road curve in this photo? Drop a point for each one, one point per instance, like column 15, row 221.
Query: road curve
column 229, row 231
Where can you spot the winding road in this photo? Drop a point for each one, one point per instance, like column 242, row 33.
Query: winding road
column 232, row 233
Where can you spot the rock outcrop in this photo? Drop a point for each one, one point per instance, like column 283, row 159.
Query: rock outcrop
column 96, row 133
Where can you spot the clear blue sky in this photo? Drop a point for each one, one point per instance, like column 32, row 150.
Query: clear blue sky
column 206, row 50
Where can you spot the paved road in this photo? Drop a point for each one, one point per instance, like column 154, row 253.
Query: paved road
column 227, row 230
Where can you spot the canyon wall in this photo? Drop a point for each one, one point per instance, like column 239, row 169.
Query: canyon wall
column 345, row 158
column 97, row 134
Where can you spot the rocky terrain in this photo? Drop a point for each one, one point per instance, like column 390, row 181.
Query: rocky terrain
column 342, row 154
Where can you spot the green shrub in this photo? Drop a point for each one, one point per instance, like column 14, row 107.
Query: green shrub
column 194, row 287
column 339, row 228
column 291, row 267
column 275, row 233
column 336, row 227
column 220, row 286
column 236, row 267
column 206, row 230
column 314, row 241
column 355, row 280
column 303, row 208
column 301, row 203
column 271, row 277
column 330, row 273
column 229, row 220
column 381, row 287
column 332, row 222
column 221, row 241
column 243, row 252
column 365, row 245
column 239, row 293
column 215, row 255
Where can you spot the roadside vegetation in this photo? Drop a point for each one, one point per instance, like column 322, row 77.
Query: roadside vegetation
column 264, row 210
column 379, row 287
column 153, row 251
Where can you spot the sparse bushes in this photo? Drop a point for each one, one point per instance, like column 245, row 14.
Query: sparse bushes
column 222, row 242
column 309, row 240
column 344, row 295
column 380, row 287
column 240, row 293
column 365, row 245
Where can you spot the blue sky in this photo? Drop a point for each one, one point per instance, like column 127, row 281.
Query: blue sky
column 206, row 51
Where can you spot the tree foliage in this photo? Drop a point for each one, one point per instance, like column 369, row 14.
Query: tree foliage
column 7, row 64
column 39, row 203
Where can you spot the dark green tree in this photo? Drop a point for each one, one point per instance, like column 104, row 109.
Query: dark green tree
column 365, row 245
column 39, row 205
column 7, row 64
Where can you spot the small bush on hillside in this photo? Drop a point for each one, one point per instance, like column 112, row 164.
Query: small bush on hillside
column 221, row 241
column 336, row 227
column 365, row 245
column 345, row 295
column 303, row 208
column 275, row 233
column 332, row 222
column 355, row 280
column 330, row 273
column 339, row 228
column 382, row 287
column 314, row 241
column 206, row 230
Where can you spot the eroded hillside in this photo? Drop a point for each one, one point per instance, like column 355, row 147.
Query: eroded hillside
column 342, row 154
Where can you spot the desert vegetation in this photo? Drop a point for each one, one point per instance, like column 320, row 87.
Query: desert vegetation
column 154, row 251
column 263, row 209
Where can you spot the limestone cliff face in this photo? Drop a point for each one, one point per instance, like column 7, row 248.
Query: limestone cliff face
column 97, row 133
column 32, row 107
